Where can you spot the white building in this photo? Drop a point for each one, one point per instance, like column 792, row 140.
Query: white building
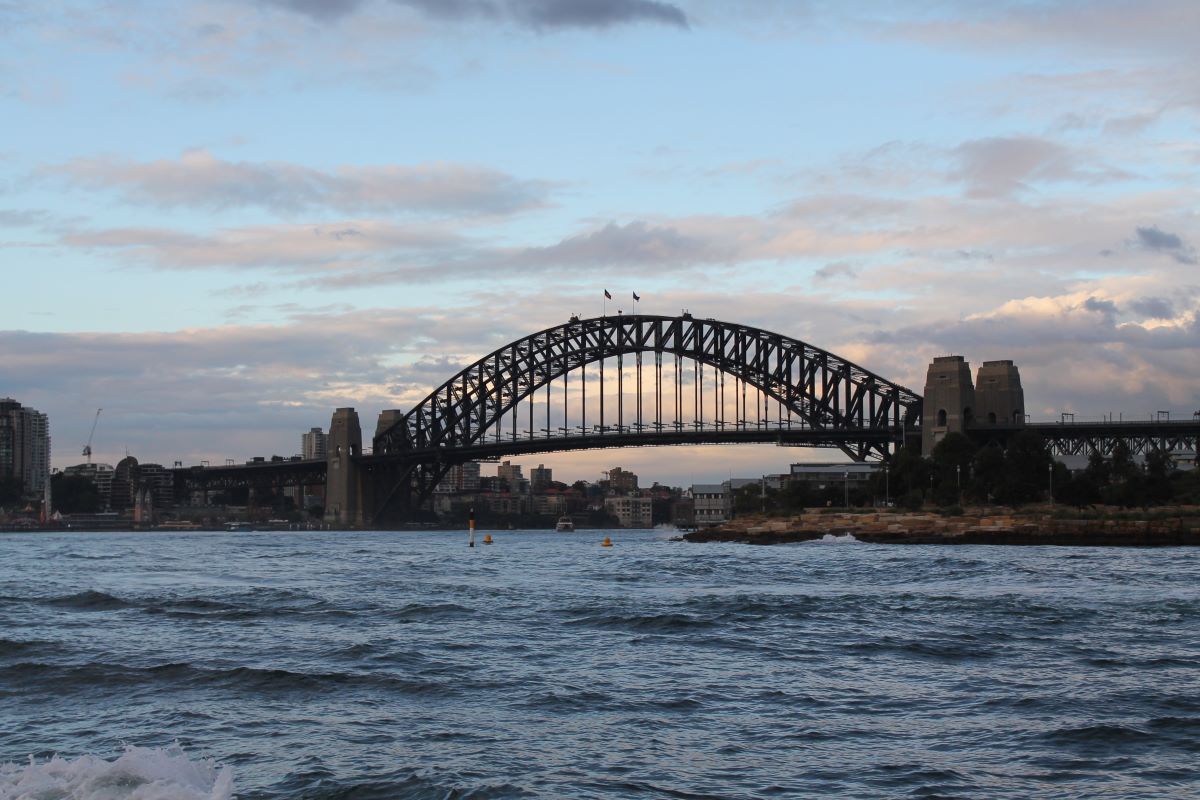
column 631, row 511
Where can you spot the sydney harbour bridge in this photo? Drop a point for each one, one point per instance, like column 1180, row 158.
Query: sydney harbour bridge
column 643, row 380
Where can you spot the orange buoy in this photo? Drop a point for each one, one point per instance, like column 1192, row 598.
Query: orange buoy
column 607, row 542
column 487, row 539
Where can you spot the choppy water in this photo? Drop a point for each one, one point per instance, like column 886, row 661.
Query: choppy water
column 375, row 665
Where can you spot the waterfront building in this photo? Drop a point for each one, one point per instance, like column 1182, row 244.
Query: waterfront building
column 101, row 476
column 550, row 505
column 631, row 511
column 712, row 503
column 159, row 483
column 314, row 445
column 24, row 446
column 826, row 475
column 123, row 489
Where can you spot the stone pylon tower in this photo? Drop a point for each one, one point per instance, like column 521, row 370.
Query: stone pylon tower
column 343, row 484
column 949, row 405
column 999, row 398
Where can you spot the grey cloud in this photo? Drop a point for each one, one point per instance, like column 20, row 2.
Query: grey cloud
column 324, row 10
column 596, row 13
column 23, row 218
column 1153, row 307
column 1002, row 166
column 200, row 180
column 1160, row 241
column 535, row 14
column 1107, row 307
column 838, row 269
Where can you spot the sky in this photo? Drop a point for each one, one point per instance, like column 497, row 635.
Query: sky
column 221, row 219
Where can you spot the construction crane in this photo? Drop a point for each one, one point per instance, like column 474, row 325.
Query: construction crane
column 87, row 448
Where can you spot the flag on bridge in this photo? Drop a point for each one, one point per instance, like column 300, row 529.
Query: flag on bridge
column 635, row 297
column 607, row 296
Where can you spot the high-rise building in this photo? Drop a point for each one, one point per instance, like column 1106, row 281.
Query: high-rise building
column 540, row 478
column 313, row 445
column 24, row 446
column 622, row 480
column 460, row 478
column 509, row 476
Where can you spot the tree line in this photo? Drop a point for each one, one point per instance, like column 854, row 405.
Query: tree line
column 959, row 471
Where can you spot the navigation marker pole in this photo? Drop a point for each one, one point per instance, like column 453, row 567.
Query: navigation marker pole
column 471, row 524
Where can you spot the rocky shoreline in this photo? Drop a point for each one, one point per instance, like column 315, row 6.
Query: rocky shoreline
column 1174, row 527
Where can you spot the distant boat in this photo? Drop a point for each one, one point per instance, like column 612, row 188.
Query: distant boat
column 565, row 525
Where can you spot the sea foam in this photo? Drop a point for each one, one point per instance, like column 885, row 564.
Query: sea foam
column 140, row 773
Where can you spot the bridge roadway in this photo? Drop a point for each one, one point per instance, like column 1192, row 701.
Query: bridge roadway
column 298, row 472
column 1064, row 438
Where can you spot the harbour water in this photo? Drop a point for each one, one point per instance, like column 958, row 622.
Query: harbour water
column 405, row 665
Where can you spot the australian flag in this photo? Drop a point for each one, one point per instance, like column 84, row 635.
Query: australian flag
column 635, row 297
column 607, row 296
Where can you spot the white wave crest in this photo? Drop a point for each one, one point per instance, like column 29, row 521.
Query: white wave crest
column 140, row 773
column 832, row 538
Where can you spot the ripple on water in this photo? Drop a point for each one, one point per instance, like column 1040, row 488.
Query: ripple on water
column 338, row 665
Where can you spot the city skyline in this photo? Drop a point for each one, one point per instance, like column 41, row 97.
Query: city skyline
column 224, row 219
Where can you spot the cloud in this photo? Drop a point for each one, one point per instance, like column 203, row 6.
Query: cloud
column 1156, row 27
column 1003, row 166
column 1160, row 241
column 1153, row 307
column 1106, row 307
column 198, row 179
column 324, row 10
column 299, row 248
column 535, row 14
column 838, row 269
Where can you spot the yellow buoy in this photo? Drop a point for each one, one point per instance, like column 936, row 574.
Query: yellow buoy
column 607, row 542
column 487, row 539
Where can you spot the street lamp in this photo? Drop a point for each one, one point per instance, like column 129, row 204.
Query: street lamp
column 958, row 481
column 846, row 476
column 887, row 488
column 1051, row 483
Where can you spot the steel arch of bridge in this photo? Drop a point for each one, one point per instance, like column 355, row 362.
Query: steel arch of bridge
column 843, row 404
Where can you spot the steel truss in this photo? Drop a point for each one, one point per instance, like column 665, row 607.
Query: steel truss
column 1085, row 438
column 819, row 398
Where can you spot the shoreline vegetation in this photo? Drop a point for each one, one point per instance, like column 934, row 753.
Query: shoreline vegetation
column 1169, row 526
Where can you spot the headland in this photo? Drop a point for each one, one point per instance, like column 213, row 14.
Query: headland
column 1172, row 526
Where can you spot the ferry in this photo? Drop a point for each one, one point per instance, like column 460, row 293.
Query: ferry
column 565, row 525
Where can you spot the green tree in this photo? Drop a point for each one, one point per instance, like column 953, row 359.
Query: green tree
column 1027, row 463
column 988, row 474
column 1078, row 491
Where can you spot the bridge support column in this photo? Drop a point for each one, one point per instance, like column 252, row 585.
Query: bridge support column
column 949, row 401
column 343, row 481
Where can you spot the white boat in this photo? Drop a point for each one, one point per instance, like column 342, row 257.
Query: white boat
column 565, row 525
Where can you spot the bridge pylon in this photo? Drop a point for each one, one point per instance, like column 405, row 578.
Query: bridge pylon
column 344, row 499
